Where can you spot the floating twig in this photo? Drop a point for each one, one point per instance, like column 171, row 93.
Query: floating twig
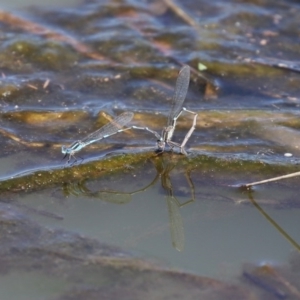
column 271, row 179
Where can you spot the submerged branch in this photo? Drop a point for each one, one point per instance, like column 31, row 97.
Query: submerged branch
column 37, row 29
column 181, row 13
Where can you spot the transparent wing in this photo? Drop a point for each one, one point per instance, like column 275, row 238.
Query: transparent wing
column 110, row 128
column 181, row 89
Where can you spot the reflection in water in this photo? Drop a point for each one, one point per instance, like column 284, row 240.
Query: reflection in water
column 164, row 168
column 164, row 163
column 268, row 217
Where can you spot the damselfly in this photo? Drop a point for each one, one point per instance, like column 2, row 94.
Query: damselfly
column 181, row 89
column 111, row 128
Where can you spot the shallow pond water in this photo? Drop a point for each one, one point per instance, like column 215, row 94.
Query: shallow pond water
column 67, row 70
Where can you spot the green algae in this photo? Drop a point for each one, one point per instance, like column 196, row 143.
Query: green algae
column 47, row 55
column 199, row 164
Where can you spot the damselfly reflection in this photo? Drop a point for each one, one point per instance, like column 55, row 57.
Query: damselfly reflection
column 164, row 165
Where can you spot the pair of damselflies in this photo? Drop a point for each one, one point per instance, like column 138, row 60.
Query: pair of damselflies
column 116, row 125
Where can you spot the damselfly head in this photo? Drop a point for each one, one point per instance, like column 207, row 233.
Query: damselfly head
column 160, row 144
column 64, row 150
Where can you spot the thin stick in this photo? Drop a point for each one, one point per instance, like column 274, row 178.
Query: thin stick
column 181, row 13
column 272, row 179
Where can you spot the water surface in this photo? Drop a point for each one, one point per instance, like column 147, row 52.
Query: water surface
column 67, row 68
